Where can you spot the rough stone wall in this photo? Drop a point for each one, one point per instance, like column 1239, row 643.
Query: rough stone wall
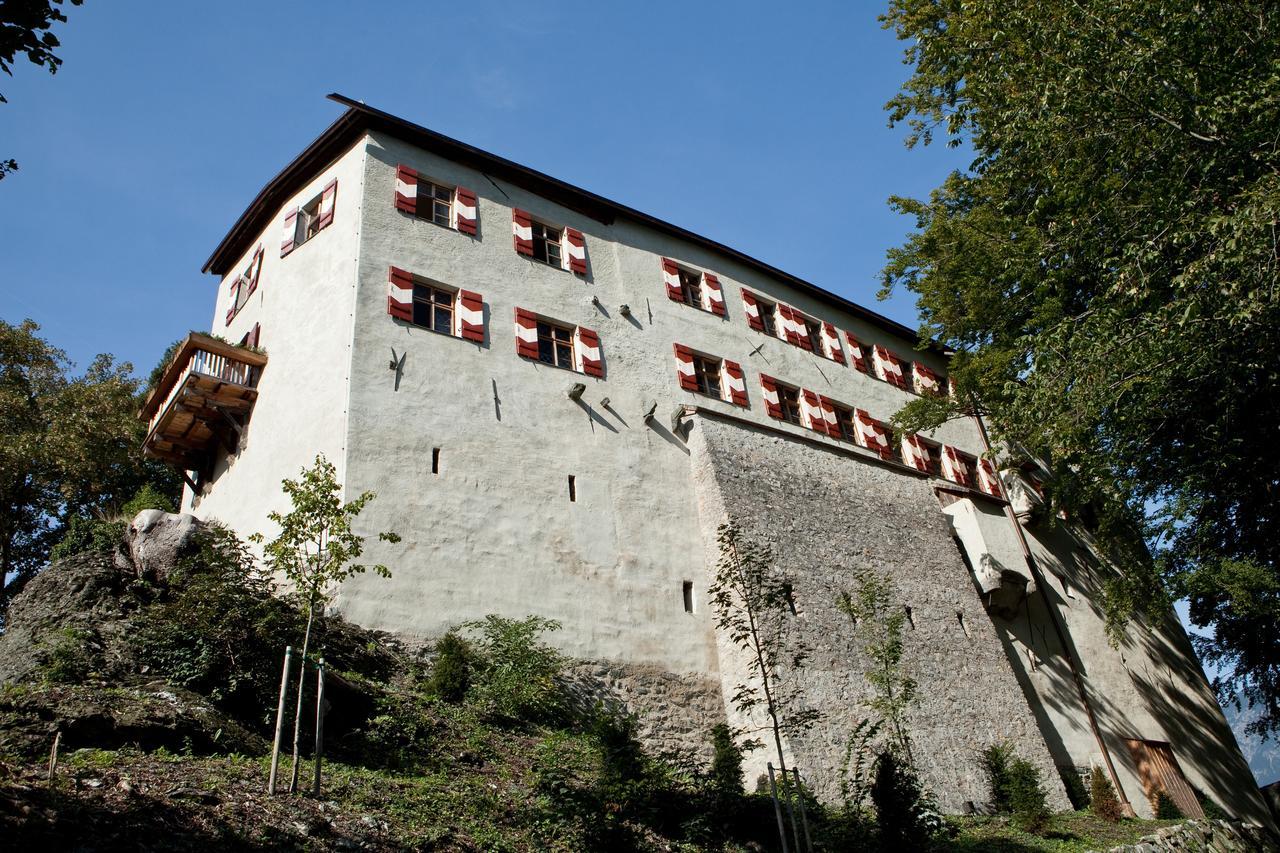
column 1219, row 836
column 827, row 514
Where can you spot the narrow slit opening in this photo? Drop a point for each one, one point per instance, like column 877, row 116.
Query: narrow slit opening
column 963, row 626
column 573, row 489
column 911, row 620
column 687, row 590
column 435, row 460
column 791, row 598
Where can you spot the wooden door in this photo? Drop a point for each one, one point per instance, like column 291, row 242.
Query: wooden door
column 1160, row 773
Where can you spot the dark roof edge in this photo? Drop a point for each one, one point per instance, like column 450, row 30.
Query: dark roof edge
column 360, row 117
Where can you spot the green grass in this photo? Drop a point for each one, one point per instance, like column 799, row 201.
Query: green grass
column 1071, row 832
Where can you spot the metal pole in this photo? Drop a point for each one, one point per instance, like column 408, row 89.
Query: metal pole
column 275, row 744
column 777, row 809
column 319, row 723
column 804, row 815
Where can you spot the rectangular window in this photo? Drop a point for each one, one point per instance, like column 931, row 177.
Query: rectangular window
column 308, row 221
column 546, row 244
column 573, row 489
column 555, row 344
column 707, row 373
column 789, row 401
column 435, row 460
column 435, row 203
column 844, row 421
column 769, row 317
column 433, row 308
column 691, row 288
column 813, row 330
column 935, row 456
column 687, row 590
column 970, row 466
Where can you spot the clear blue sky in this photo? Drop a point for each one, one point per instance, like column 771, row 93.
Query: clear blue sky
column 757, row 126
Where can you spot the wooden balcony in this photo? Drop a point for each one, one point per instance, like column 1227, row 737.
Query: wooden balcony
column 201, row 405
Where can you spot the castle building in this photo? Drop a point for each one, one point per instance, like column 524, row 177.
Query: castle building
column 558, row 401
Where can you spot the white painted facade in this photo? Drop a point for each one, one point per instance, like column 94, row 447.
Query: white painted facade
column 494, row 531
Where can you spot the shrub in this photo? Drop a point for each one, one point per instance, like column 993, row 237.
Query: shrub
column 401, row 732
column 1212, row 811
column 726, row 762
column 1102, row 797
column 1027, row 797
column 1077, row 790
column 516, row 678
column 995, row 762
column 622, row 757
column 88, row 536
column 1165, row 808
column 451, row 671
column 146, row 498
column 897, row 797
column 69, row 659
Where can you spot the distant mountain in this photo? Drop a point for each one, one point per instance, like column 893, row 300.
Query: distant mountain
column 1263, row 755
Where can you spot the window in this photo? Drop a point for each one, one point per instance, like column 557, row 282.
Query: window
column 686, row 589
column 844, row 422
column 244, row 285
column 546, row 244
column 707, row 373
column 969, row 467
column 308, row 224
column 768, row 317
column 934, row 451
column 433, row 308
column 789, row 400
column 573, row 489
column 813, row 329
column 435, row 203
column 555, row 345
column 690, row 287
column 303, row 223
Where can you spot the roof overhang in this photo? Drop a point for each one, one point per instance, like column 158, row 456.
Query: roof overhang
column 360, row 119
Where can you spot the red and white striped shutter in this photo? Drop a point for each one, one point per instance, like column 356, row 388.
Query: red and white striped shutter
column 522, row 230
column 915, row 453
column 924, row 379
column 407, row 189
column 715, row 295
column 464, row 205
column 684, row 368
column 802, row 331
column 328, row 199
column 290, row 232
column 400, row 301
column 769, row 390
column 888, row 368
column 788, row 324
column 831, row 340
column 575, row 250
column 812, row 408
column 857, row 356
column 231, row 312
column 829, row 417
column 752, row 310
column 671, row 278
column 255, row 335
column 470, row 316
column 872, row 434
column 255, row 268
column 734, row 382
column 953, row 466
column 526, row 333
column 589, row 352
column 987, row 479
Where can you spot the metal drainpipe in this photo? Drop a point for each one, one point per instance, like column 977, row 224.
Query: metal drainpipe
column 1060, row 631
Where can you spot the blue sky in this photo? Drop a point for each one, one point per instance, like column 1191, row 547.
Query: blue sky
column 757, row 126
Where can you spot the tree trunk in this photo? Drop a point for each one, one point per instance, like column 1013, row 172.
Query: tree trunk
column 302, row 684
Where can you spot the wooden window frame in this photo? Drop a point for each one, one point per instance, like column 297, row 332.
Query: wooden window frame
column 845, row 421
column 768, row 315
column 544, row 327
column 707, row 369
column 539, row 236
column 933, row 450
column 789, row 403
column 427, row 198
column 690, row 287
column 423, row 287
column 308, row 221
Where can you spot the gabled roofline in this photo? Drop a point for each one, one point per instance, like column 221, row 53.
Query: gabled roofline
column 361, row 118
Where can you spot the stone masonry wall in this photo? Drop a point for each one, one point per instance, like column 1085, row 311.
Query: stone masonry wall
column 826, row 514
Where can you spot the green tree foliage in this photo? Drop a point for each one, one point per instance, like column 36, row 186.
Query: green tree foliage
column 451, row 671
column 1102, row 797
column 70, row 450
column 1106, row 271
column 1165, row 808
column 899, row 803
column 26, row 28
column 878, row 619
column 726, row 761
column 1015, row 787
column 516, row 677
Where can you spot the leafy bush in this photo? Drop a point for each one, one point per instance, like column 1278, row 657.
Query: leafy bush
column 148, row 497
column 516, row 678
column 69, row 660
column 88, row 536
column 1073, row 782
column 1102, row 797
column 622, row 757
column 1165, row 808
column 401, row 733
column 451, row 672
column 897, row 797
column 1027, row 797
column 726, row 762
column 995, row 761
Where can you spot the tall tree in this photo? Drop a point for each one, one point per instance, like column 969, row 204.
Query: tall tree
column 26, row 28
column 72, row 447
column 1106, row 271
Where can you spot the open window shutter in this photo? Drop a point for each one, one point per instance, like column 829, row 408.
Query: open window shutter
column 813, row 411
column 953, row 466
column 914, row 452
column 255, row 334
column 526, row 333
column 471, row 316
column 400, row 301
column 715, row 295
column 831, row 340
column 684, row 368
column 769, row 390
column 464, row 203
column 589, row 352
column 290, row 232
column 925, row 380
column 987, row 479
column 802, row 331
column 734, row 381
column 575, row 250
column 327, row 200
column 522, row 229
column 406, row 189
column 872, row 434
column 231, row 312
column 254, row 269
column 888, row 367
column 788, row 324
column 671, row 278
column 752, row 310
column 829, row 417
column 857, row 356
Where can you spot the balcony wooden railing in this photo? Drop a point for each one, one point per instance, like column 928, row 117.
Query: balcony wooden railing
column 202, row 401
